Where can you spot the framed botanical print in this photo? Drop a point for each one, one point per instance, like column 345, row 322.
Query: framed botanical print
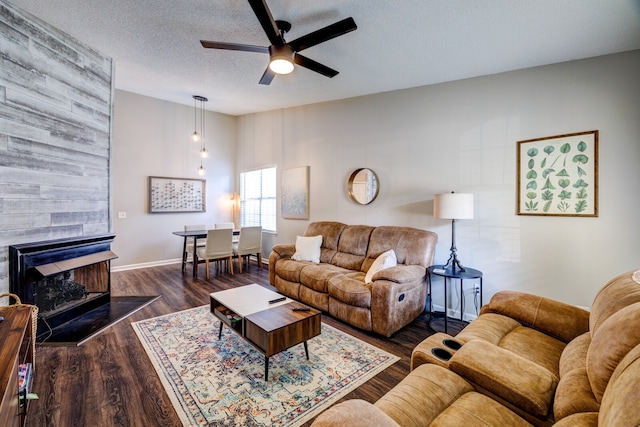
column 558, row 175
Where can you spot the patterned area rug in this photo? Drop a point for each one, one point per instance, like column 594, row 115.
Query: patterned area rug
column 221, row 382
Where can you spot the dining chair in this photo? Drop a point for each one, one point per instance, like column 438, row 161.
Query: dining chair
column 250, row 243
column 224, row 225
column 227, row 225
column 218, row 247
column 188, row 243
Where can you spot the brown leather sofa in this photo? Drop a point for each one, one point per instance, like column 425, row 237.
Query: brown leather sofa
column 336, row 285
column 526, row 360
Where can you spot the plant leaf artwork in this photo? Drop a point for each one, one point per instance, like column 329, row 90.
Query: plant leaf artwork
column 558, row 175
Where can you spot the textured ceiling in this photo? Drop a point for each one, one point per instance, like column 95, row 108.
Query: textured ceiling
column 398, row 43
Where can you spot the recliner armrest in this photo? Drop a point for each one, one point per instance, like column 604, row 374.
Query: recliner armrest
column 400, row 273
column 284, row 250
column 555, row 318
column 519, row 381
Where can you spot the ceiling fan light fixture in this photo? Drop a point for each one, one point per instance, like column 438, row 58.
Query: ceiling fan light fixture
column 281, row 59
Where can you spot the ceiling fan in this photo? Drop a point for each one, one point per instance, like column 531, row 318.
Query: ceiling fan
column 284, row 54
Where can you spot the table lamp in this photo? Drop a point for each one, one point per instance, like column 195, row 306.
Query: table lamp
column 453, row 206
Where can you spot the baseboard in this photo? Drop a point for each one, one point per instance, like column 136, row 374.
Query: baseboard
column 146, row 265
column 156, row 264
column 455, row 314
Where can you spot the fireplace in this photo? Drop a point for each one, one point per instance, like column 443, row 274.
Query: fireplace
column 70, row 282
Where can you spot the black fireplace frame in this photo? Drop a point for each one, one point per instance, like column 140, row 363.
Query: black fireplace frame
column 29, row 262
column 79, row 323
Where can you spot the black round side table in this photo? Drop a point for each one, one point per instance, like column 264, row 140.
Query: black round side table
column 449, row 274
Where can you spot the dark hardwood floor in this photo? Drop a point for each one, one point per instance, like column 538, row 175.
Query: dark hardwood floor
column 109, row 380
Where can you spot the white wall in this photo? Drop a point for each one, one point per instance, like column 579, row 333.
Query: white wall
column 462, row 136
column 151, row 138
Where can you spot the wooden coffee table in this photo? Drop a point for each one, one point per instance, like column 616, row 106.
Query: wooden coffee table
column 270, row 328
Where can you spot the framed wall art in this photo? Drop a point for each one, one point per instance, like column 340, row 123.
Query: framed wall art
column 176, row 195
column 295, row 193
column 558, row 175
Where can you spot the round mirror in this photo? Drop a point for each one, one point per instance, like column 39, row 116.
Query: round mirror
column 363, row 186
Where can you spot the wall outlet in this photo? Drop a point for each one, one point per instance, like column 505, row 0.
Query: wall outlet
column 122, row 215
column 476, row 289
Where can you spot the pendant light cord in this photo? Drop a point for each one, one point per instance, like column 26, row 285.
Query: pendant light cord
column 203, row 150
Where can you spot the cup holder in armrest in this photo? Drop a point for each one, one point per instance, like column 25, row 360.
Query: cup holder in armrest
column 441, row 353
column 453, row 345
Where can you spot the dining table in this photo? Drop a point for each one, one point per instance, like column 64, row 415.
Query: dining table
column 195, row 234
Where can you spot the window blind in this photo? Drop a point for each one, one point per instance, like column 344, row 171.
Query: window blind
column 258, row 198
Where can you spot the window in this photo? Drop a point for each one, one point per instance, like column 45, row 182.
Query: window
column 258, row 198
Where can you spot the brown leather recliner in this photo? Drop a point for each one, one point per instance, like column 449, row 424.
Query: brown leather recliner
column 525, row 360
column 337, row 284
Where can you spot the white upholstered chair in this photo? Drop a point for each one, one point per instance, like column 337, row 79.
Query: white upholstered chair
column 187, row 255
column 250, row 243
column 219, row 247
column 224, row 225
column 227, row 225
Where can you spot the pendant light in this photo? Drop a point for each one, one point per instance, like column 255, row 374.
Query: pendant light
column 199, row 136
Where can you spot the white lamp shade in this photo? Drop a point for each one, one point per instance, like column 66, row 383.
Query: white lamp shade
column 453, row 206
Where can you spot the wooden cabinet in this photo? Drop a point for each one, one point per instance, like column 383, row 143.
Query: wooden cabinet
column 16, row 338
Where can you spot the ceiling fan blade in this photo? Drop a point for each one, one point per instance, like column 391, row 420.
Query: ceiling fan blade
column 312, row 65
column 322, row 35
column 269, row 26
column 234, row 46
column 267, row 76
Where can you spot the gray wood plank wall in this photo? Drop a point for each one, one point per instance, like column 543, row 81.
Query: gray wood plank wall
column 56, row 98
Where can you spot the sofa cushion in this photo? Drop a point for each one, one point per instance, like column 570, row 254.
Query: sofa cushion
column 307, row 249
column 574, row 395
column 352, row 246
column 289, row 269
column 422, row 395
column 619, row 292
column 412, row 246
column 385, row 260
column 474, row 409
column 350, row 289
column 610, row 344
column 620, row 401
column 330, row 232
column 584, row 419
column 354, row 413
column 555, row 318
column 510, row 335
column 319, row 300
column 360, row 317
column 432, row 395
column 527, row 385
column 574, row 355
column 290, row 289
column 536, row 347
column 316, row 276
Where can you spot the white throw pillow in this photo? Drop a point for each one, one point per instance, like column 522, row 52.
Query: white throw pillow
column 308, row 248
column 385, row 260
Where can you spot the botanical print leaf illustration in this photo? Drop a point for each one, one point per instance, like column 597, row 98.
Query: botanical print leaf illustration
column 560, row 172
